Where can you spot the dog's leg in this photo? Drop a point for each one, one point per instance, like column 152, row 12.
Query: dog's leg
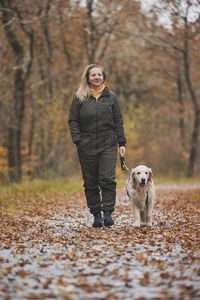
column 143, row 217
column 149, row 220
column 149, row 214
column 137, row 217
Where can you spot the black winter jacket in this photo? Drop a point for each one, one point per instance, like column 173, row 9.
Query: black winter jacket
column 97, row 119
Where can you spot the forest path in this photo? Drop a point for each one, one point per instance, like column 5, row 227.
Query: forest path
column 54, row 253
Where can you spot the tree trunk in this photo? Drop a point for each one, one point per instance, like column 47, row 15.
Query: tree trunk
column 19, row 113
column 11, row 154
column 45, row 29
column 181, row 108
column 196, row 124
column 15, row 127
column 20, row 77
column 194, row 144
column 32, row 128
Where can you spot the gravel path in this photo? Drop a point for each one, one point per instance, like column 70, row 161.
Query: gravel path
column 58, row 255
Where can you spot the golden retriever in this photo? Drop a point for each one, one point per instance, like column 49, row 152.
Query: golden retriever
column 141, row 192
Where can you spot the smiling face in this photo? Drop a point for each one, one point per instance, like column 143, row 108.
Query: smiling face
column 141, row 175
column 96, row 78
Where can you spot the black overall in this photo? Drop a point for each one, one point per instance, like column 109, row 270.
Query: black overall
column 96, row 128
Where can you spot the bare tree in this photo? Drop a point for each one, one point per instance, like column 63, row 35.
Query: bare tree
column 22, row 72
column 180, row 40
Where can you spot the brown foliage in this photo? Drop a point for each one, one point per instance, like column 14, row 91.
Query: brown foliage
column 152, row 70
column 55, row 251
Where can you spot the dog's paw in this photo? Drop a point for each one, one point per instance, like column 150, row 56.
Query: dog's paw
column 143, row 224
column 149, row 224
column 136, row 224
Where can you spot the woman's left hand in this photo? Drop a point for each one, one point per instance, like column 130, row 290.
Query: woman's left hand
column 122, row 150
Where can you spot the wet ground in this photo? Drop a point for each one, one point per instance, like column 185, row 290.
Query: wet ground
column 58, row 255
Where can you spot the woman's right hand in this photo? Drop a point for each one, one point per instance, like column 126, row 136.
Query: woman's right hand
column 122, row 150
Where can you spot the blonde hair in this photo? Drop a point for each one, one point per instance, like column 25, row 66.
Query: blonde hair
column 83, row 91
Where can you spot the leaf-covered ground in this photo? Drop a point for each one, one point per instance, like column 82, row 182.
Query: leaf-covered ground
column 54, row 253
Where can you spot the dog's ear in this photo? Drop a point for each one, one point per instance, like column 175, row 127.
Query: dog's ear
column 134, row 182
column 150, row 175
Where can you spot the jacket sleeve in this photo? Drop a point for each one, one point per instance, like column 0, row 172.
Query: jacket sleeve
column 74, row 121
column 118, row 119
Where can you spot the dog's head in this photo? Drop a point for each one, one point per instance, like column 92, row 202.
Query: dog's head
column 141, row 175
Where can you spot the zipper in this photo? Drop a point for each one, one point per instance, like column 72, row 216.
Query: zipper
column 97, row 119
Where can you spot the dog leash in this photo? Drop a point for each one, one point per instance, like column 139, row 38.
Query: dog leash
column 123, row 164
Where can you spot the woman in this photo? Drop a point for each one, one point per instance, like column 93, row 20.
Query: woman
column 96, row 126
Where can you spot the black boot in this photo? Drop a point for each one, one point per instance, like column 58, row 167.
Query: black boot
column 97, row 220
column 108, row 221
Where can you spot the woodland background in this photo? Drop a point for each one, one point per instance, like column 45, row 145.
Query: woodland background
column 153, row 65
